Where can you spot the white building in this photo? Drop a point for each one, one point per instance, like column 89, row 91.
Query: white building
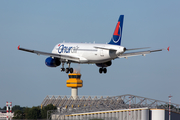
column 123, row 114
column 3, row 114
column 123, row 107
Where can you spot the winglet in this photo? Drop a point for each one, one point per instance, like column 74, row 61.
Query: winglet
column 18, row 47
column 168, row 48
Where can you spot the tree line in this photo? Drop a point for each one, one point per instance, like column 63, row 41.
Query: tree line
column 30, row 113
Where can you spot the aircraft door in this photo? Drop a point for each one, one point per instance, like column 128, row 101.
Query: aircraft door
column 101, row 53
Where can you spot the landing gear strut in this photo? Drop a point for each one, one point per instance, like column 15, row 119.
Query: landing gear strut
column 68, row 69
column 62, row 69
column 102, row 70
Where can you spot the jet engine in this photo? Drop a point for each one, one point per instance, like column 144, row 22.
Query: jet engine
column 106, row 64
column 52, row 62
column 120, row 50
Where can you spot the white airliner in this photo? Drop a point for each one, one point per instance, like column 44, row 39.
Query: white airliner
column 83, row 53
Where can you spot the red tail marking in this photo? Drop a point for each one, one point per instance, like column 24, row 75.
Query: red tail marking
column 117, row 29
column 168, row 48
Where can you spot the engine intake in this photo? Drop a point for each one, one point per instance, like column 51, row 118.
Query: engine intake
column 52, row 62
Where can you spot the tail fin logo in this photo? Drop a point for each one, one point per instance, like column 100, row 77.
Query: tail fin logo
column 117, row 33
column 117, row 29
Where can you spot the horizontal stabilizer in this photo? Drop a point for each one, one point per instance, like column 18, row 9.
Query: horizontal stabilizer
column 137, row 48
column 143, row 53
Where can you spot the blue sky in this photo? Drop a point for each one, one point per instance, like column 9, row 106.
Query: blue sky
column 25, row 79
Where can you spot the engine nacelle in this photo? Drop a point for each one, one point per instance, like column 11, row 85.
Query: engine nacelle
column 106, row 64
column 120, row 51
column 52, row 62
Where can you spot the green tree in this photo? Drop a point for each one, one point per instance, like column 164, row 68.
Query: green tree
column 4, row 108
column 45, row 109
column 33, row 113
column 18, row 114
column 26, row 111
column 17, row 107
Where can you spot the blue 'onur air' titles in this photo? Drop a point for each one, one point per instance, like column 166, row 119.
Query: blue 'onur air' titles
column 116, row 39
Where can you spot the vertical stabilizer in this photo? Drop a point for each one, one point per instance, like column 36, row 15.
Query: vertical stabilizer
column 116, row 38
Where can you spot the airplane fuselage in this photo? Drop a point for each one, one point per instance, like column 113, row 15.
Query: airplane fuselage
column 88, row 53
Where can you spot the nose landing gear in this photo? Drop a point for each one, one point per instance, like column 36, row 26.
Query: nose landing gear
column 102, row 70
column 62, row 69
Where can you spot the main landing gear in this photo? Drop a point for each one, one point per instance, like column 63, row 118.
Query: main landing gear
column 102, row 70
column 67, row 69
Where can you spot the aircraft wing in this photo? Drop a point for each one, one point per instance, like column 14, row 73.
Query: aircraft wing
column 72, row 58
column 143, row 53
